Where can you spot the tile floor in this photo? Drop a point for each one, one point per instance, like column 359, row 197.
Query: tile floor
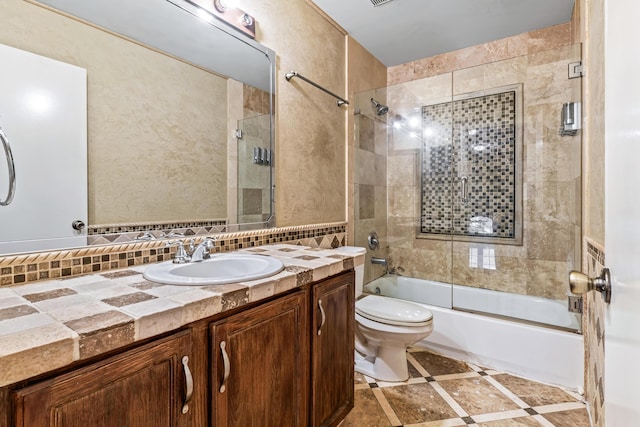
column 446, row 392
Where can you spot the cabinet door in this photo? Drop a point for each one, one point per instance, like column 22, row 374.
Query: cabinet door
column 332, row 347
column 260, row 366
column 145, row 387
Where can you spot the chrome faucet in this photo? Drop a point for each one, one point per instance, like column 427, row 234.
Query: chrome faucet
column 194, row 253
column 202, row 251
column 181, row 257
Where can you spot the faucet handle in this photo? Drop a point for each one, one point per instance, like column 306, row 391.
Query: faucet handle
column 181, row 256
column 209, row 243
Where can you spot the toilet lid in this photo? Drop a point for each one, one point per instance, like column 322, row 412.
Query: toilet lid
column 392, row 311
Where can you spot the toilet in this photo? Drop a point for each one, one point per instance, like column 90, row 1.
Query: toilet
column 385, row 327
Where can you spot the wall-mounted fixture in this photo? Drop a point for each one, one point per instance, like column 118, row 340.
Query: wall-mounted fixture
column 381, row 110
column 373, row 241
column 570, row 119
column 291, row 74
column 224, row 11
column 261, row 156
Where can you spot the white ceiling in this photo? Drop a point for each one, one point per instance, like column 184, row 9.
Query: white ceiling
column 405, row 30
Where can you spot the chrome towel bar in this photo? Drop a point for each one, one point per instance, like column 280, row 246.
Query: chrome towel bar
column 340, row 101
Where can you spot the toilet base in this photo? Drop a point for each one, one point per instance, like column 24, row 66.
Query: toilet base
column 390, row 364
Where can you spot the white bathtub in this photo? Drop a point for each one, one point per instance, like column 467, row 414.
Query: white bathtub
column 536, row 352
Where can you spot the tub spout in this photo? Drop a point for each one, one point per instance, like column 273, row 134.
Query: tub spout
column 381, row 261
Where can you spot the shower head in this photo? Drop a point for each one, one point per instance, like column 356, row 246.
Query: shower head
column 381, row 110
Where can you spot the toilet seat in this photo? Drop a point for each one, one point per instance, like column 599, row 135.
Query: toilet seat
column 393, row 312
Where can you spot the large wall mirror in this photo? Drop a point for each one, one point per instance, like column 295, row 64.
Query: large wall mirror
column 180, row 120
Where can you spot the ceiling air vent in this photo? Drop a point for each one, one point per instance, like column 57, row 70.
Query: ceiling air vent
column 379, row 2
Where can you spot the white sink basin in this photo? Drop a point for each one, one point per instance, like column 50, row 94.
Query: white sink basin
column 217, row 270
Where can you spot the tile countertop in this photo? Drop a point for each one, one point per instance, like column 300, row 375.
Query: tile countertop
column 48, row 325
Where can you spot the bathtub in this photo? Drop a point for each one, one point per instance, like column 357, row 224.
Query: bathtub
column 541, row 353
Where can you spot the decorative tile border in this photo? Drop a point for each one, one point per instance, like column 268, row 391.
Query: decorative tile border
column 26, row 268
column 594, row 332
column 595, row 255
column 107, row 234
column 153, row 226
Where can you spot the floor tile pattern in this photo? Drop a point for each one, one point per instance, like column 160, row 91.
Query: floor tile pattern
column 443, row 392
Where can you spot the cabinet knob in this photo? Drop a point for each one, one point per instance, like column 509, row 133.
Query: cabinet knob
column 77, row 225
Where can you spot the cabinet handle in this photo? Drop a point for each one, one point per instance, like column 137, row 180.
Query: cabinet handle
column 324, row 317
column 188, row 378
column 227, row 366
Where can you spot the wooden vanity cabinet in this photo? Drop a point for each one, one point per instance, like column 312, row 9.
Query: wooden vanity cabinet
column 145, row 387
column 283, row 362
column 259, row 365
column 332, row 350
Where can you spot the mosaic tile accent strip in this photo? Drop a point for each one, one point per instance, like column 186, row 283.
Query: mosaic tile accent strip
column 594, row 333
column 123, row 233
column 27, row 268
column 445, row 392
column 482, row 154
column 595, row 253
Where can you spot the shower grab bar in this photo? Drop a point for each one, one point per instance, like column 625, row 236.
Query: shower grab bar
column 463, row 181
column 340, row 101
column 12, row 169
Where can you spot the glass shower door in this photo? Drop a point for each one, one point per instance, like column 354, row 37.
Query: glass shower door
column 255, row 158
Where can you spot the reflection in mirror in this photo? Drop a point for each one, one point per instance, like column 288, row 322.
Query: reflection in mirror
column 164, row 157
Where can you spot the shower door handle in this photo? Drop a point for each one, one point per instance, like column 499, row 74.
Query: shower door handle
column 12, row 169
column 463, row 191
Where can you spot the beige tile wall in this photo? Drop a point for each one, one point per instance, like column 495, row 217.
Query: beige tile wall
column 310, row 150
column 510, row 47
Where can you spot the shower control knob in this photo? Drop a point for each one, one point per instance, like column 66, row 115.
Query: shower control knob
column 77, row 225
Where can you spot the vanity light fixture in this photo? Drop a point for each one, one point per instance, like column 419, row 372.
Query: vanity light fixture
column 220, row 5
column 223, row 10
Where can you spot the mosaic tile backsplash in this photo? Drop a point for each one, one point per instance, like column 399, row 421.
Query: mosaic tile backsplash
column 469, row 167
column 20, row 269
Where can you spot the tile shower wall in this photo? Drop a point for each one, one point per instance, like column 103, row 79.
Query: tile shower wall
column 483, row 153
